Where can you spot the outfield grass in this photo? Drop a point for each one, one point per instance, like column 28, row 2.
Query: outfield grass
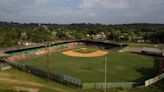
column 121, row 67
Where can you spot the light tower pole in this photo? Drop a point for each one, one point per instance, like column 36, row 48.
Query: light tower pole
column 105, row 74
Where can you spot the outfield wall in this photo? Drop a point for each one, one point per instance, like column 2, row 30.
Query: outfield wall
column 109, row 85
column 154, row 80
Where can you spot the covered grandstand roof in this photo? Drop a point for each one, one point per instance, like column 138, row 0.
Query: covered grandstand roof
column 61, row 42
column 109, row 42
column 34, row 46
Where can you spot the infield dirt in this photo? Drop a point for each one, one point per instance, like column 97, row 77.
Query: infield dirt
column 92, row 54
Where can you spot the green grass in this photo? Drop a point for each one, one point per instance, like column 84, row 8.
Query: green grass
column 141, row 45
column 121, row 67
column 22, row 76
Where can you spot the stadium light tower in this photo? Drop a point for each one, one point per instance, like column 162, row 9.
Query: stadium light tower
column 47, row 45
column 105, row 74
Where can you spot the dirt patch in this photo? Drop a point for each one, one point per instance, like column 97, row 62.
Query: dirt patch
column 78, row 54
column 84, row 49
column 17, row 58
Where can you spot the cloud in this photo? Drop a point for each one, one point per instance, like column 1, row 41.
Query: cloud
column 92, row 14
column 95, row 11
column 43, row 2
column 125, row 9
column 120, row 4
column 40, row 2
column 107, row 4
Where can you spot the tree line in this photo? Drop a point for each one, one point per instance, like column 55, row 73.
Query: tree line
column 14, row 33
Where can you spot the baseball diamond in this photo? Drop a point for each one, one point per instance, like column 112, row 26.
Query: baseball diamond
column 83, row 60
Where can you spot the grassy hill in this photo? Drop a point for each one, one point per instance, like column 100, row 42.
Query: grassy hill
column 13, row 74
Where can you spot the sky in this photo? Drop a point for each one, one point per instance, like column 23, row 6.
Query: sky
column 82, row 11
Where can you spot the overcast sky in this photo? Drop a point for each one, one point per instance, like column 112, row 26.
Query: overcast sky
column 79, row 11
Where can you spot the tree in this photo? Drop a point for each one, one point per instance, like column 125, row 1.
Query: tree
column 157, row 37
column 41, row 34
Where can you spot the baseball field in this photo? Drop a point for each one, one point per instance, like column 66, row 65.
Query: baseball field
column 83, row 63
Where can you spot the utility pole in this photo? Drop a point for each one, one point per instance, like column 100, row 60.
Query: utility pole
column 105, row 74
